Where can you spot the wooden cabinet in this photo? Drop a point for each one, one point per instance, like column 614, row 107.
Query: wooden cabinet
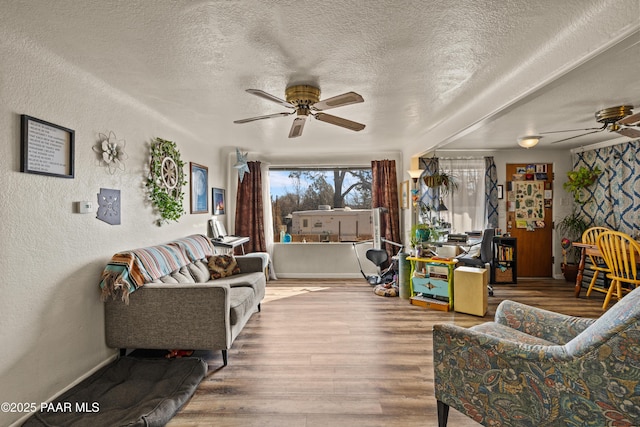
column 432, row 278
column 504, row 265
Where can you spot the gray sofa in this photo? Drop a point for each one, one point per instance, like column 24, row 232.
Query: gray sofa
column 183, row 309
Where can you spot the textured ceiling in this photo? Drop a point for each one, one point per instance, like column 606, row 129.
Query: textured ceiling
column 464, row 75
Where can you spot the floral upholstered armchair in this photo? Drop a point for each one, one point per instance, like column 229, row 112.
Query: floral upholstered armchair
column 532, row 367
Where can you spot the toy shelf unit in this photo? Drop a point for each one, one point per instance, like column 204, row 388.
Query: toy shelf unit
column 504, row 265
column 432, row 282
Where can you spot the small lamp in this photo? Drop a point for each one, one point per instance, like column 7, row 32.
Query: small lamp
column 415, row 174
column 529, row 141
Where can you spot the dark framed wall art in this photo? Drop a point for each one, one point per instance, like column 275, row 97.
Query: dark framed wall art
column 217, row 200
column 46, row 148
column 198, row 184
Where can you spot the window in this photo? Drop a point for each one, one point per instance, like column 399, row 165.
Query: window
column 465, row 206
column 321, row 204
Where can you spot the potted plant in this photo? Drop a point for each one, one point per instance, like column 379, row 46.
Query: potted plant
column 579, row 180
column 422, row 232
column 442, row 180
column 571, row 228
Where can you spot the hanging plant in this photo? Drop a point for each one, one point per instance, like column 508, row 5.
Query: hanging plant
column 579, row 180
column 165, row 180
column 442, row 180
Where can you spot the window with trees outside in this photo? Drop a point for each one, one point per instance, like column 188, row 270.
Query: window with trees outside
column 321, row 204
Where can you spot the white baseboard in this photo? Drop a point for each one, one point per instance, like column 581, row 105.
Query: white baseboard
column 319, row 276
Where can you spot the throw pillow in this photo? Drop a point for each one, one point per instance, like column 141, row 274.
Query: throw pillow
column 222, row 266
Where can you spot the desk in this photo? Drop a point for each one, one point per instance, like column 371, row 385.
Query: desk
column 464, row 246
column 230, row 242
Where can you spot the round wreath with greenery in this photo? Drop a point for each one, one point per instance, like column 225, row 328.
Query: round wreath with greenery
column 165, row 180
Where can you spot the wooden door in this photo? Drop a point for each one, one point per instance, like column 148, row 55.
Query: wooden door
column 529, row 216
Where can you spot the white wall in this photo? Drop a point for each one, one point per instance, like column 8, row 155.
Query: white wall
column 321, row 260
column 51, row 322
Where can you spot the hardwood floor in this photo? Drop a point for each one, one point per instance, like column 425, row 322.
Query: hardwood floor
column 332, row 353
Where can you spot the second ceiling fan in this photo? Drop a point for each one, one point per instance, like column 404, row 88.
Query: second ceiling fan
column 614, row 119
column 305, row 101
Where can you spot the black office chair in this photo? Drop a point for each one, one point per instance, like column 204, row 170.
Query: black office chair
column 486, row 254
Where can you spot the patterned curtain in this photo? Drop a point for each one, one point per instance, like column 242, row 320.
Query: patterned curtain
column 428, row 196
column 249, row 210
column 614, row 199
column 384, row 193
column 491, row 192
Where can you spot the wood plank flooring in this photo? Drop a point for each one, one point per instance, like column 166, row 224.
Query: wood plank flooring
column 332, row 353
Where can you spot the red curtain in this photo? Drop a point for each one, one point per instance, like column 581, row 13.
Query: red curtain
column 250, row 210
column 384, row 193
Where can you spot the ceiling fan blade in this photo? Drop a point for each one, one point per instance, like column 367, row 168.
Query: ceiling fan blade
column 338, row 101
column 574, row 130
column 297, row 127
column 339, row 121
column 268, row 116
column 577, row 136
column 269, row 97
column 629, row 132
column 630, row 120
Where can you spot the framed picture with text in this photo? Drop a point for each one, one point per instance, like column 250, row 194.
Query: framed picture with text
column 46, row 149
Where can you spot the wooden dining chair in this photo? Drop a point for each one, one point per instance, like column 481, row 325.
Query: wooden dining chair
column 621, row 253
column 590, row 236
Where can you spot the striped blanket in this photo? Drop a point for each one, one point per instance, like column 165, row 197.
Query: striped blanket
column 129, row 270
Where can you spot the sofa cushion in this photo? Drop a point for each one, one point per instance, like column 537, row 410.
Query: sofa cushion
column 244, row 279
column 223, row 266
column 241, row 301
column 183, row 275
column 200, row 271
column 167, row 279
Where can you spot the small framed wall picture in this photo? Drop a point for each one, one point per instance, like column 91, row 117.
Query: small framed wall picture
column 217, row 201
column 198, row 185
column 46, row 149
column 500, row 192
column 404, row 195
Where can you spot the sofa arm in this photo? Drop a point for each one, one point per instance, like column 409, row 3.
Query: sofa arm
column 171, row 315
column 548, row 325
column 496, row 381
column 249, row 264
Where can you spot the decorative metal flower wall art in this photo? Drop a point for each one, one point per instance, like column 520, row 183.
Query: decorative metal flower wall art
column 111, row 152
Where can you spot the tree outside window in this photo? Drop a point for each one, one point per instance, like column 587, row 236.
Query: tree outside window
column 321, row 204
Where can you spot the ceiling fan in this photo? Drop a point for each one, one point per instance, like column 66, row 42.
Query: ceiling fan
column 304, row 100
column 614, row 119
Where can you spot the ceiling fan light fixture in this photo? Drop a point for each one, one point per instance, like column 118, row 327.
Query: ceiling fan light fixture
column 529, row 141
